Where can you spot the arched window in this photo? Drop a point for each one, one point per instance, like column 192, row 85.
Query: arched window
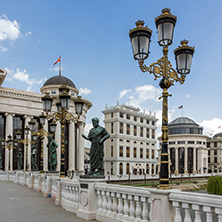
column 127, row 168
column 121, row 168
column 147, row 169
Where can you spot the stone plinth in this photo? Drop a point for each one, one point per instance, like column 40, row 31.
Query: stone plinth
column 88, row 197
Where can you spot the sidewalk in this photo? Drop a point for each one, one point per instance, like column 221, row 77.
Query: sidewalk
column 21, row 204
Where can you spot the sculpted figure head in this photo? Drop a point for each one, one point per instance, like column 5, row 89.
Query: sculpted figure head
column 95, row 122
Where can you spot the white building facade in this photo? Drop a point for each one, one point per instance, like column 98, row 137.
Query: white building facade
column 187, row 147
column 17, row 107
column 131, row 147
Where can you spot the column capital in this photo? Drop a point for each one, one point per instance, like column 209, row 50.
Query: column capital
column 9, row 114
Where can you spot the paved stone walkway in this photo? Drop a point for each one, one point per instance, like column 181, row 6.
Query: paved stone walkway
column 20, row 204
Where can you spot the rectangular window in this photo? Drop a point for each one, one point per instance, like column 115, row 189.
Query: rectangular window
column 153, row 134
column 141, row 131
column 121, row 115
column 172, row 142
column 199, row 142
column 153, row 123
column 135, row 130
column 147, row 153
column 111, row 115
column 135, row 118
column 153, row 154
column 190, row 142
column 147, row 133
column 181, row 142
column 215, row 144
column 127, row 116
column 141, row 152
column 127, row 151
column 141, row 120
column 208, row 144
column 215, row 159
column 111, row 151
column 134, row 152
column 120, row 127
column 121, row 151
column 215, row 152
column 111, row 127
column 128, row 129
column 147, row 121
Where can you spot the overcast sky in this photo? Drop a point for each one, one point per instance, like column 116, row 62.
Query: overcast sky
column 92, row 39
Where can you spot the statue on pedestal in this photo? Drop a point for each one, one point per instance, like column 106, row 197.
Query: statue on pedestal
column 34, row 158
column 19, row 159
column 52, row 145
column 97, row 136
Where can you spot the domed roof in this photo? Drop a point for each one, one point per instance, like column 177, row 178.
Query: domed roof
column 183, row 121
column 59, row 80
column 217, row 135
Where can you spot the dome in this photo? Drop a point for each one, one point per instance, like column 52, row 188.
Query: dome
column 217, row 135
column 184, row 125
column 59, row 80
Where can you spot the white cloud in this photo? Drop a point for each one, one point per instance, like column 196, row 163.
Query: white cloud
column 9, row 29
column 124, row 92
column 55, row 68
column 23, row 76
column 211, row 126
column 28, row 33
column 84, row 91
column 187, row 96
column 3, row 49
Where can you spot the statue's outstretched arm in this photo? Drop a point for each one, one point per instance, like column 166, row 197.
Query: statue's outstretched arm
column 85, row 137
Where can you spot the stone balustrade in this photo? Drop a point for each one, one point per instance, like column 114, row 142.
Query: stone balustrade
column 121, row 203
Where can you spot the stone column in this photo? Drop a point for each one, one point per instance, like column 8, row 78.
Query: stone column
column 185, row 159
column 176, row 160
column 58, row 140
column 27, row 119
column 194, row 161
column 8, row 130
column 80, row 159
column 71, row 146
column 45, row 148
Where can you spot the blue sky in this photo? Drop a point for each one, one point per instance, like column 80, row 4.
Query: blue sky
column 92, row 39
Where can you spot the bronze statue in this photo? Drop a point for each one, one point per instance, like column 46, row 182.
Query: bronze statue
column 97, row 136
column 52, row 145
column 19, row 159
column 34, row 158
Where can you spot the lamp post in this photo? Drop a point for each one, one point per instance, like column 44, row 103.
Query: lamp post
column 9, row 144
column 140, row 38
column 41, row 133
column 62, row 115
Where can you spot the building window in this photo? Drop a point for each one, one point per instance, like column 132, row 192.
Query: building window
column 199, row 142
column 153, row 156
column 121, row 140
column 172, row 142
column 121, row 115
column 111, row 151
column 128, row 129
column 121, row 151
column 111, row 168
column 141, row 152
column 181, row 142
column 208, row 152
column 215, row 159
column 147, row 144
column 153, row 134
column 127, row 151
column 208, row 144
column 147, row 121
column 127, row 168
column 53, row 92
column 134, row 152
column 135, row 130
column 215, row 152
column 141, row 131
column 141, row 120
column 153, row 123
column 111, row 115
column 111, row 127
column 135, row 118
column 121, row 168
column 147, row 133
column 127, row 116
column 135, row 142
column 215, row 144
column 121, row 128
column 190, row 142
column 147, row 169
column 128, row 141
column 147, row 153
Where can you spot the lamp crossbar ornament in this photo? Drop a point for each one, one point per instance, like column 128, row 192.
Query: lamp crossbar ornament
column 140, row 39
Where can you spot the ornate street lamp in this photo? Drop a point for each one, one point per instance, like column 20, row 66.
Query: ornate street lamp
column 140, row 39
column 62, row 115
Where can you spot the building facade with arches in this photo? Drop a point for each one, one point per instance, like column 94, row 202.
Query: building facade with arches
column 187, row 147
column 131, row 147
column 17, row 107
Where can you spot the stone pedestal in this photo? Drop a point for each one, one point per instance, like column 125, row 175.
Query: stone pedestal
column 88, row 197
column 48, row 178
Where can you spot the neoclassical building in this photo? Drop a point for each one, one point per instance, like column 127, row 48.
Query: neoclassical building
column 132, row 143
column 17, row 107
column 186, row 147
column 215, row 153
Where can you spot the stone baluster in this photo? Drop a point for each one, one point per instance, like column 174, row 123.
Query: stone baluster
column 125, row 208
column 177, row 217
column 149, row 201
column 138, row 209
column 100, row 202
column 70, row 196
column 109, row 205
column 145, row 209
column 187, row 212
column 120, row 207
column 218, row 211
column 77, row 195
column 104, row 203
column 114, row 205
column 197, row 212
column 131, row 209
column 208, row 211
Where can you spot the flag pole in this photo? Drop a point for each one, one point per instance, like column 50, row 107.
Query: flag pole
column 60, row 67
